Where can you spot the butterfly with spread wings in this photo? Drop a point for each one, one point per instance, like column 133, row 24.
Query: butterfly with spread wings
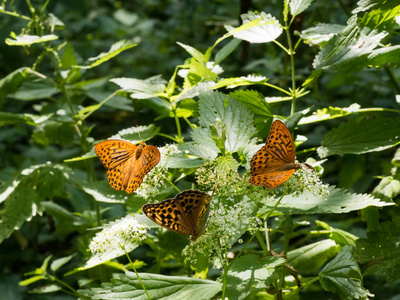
column 274, row 163
column 126, row 163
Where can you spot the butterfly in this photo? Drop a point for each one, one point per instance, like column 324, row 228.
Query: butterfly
column 274, row 163
column 187, row 213
column 126, row 163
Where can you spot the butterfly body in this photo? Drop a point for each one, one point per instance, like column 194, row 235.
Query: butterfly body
column 274, row 163
column 187, row 213
column 126, row 163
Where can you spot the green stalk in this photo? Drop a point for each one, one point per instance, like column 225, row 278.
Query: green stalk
column 225, row 272
column 137, row 274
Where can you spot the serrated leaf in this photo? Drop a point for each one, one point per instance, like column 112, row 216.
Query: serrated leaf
column 321, row 33
column 387, row 55
column 310, row 258
column 380, row 252
column 58, row 263
column 217, row 106
column 202, row 136
column 115, row 49
column 348, row 51
column 234, row 82
column 330, row 113
column 248, row 273
column 367, row 135
column 140, row 89
column 298, row 6
column 337, row 201
column 342, row 275
column 27, row 40
column 158, row 286
column 257, row 28
column 137, row 134
column 226, row 163
column 340, row 237
column 52, row 132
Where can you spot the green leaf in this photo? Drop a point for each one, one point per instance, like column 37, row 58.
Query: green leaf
column 50, row 288
column 226, row 50
column 199, row 150
column 30, row 280
column 102, row 192
column 387, row 55
column 196, row 54
column 58, row 263
column 310, row 258
column 234, row 82
column 388, row 188
column 52, row 132
column 202, row 136
column 340, row 237
column 298, row 6
column 63, row 219
column 257, row 28
column 13, row 81
column 337, row 201
column 158, row 286
column 330, row 113
column 11, row 118
column 321, row 33
column 140, row 89
column 215, row 106
column 115, row 49
column 30, row 90
column 380, row 251
column 27, row 40
column 248, row 274
column 132, row 133
column 348, row 51
column 367, row 135
column 226, row 163
column 342, row 275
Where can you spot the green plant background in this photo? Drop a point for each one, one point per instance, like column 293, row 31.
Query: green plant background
column 62, row 94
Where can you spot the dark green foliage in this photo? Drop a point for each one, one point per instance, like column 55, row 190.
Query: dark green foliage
column 186, row 77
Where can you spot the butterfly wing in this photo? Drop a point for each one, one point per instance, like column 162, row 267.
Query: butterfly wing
column 114, row 154
column 182, row 214
column 271, row 165
column 138, row 168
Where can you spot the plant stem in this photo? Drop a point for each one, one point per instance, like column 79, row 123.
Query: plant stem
column 173, row 185
column 178, row 128
column 168, row 137
column 137, row 274
column 303, row 286
column 261, row 241
column 225, row 272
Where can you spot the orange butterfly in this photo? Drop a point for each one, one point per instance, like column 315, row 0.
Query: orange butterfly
column 126, row 163
column 274, row 163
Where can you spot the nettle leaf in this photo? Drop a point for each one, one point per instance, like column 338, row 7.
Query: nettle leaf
column 366, row 135
column 234, row 82
column 337, row 201
column 27, row 40
column 102, row 192
column 257, row 28
column 199, row 150
column 137, row 134
column 215, row 106
column 117, row 101
column 20, row 206
column 380, row 251
column 298, row 6
column 115, row 49
column 348, row 51
column 202, row 136
column 226, row 50
column 127, row 286
column 374, row 4
column 321, row 33
column 390, row 54
column 342, row 275
column 226, row 163
column 310, row 258
column 248, row 274
column 140, row 89
column 330, row 113
column 196, row 54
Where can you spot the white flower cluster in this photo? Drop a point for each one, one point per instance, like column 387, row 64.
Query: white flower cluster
column 118, row 237
column 227, row 223
column 155, row 178
column 307, row 179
